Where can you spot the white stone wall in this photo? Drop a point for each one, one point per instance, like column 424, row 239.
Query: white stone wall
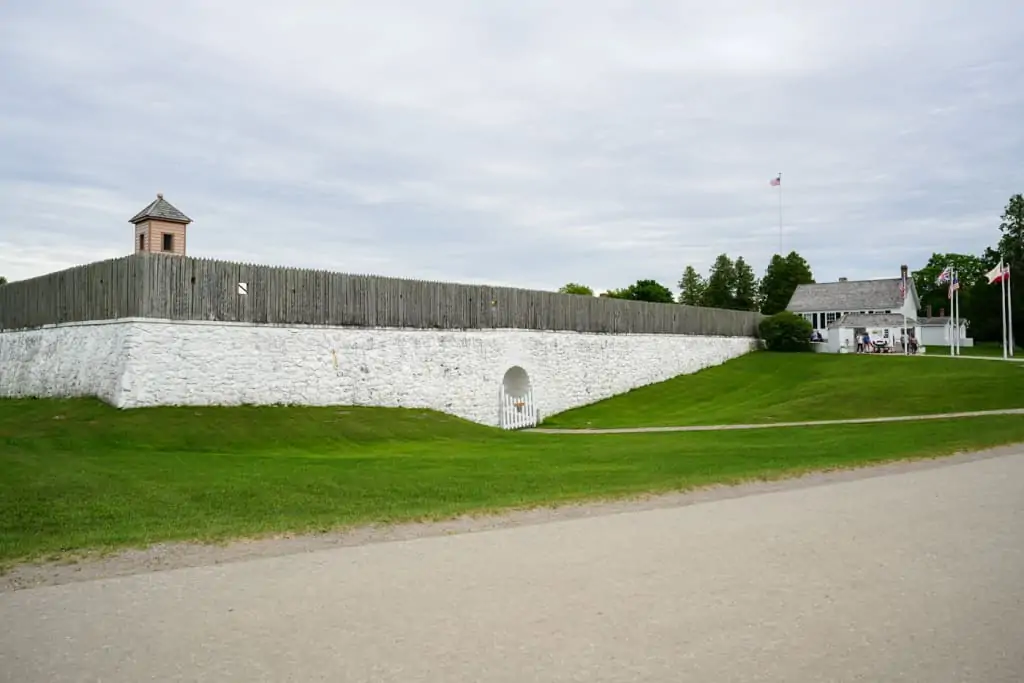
column 143, row 363
column 85, row 359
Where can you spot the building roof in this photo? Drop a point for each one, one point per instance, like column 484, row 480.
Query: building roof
column 938, row 321
column 847, row 295
column 160, row 209
column 870, row 320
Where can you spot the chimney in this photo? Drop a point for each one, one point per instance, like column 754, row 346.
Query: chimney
column 942, row 312
column 903, row 272
column 842, row 279
column 929, row 311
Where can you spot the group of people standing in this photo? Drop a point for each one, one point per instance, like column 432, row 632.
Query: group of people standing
column 865, row 345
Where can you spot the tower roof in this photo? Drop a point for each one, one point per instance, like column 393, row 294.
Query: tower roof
column 160, row 209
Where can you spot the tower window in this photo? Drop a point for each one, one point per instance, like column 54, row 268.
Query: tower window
column 168, row 242
column 142, row 242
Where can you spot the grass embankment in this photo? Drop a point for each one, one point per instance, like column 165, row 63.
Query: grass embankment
column 979, row 350
column 78, row 475
column 768, row 387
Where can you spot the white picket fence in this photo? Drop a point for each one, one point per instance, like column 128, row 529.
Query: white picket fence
column 518, row 412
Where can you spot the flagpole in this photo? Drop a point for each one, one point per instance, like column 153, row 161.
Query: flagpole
column 1009, row 310
column 1002, row 305
column 952, row 313
column 956, row 315
column 780, row 213
column 906, row 334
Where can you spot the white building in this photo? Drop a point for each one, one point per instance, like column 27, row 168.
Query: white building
column 936, row 332
column 885, row 330
column 822, row 304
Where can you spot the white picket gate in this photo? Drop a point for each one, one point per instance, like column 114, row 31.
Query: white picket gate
column 517, row 412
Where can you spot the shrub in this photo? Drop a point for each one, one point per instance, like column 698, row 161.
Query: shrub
column 786, row 331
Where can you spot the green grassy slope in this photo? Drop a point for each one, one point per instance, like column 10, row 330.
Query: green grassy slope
column 78, row 475
column 979, row 350
column 769, row 387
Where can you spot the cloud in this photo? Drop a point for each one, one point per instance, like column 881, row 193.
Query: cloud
column 521, row 143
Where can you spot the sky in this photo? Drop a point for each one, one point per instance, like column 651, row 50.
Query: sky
column 513, row 142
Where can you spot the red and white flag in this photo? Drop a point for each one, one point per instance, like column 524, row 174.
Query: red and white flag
column 776, row 181
column 999, row 273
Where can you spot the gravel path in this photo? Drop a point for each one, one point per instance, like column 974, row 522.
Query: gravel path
column 776, row 425
column 909, row 575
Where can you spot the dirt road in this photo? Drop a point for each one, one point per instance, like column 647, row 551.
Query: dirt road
column 914, row 576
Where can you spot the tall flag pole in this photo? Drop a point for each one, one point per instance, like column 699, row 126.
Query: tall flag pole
column 903, row 295
column 1009, row 308
column 1000, row 274
column 777, row 182
column 954, row 310
column 947, row 276
column 1006, row 335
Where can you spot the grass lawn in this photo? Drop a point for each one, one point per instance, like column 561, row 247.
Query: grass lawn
column 981, row 349
column 77, row 475
column 776, row 387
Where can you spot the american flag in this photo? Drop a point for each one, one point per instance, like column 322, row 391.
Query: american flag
column 954, row 285
column 776, row 181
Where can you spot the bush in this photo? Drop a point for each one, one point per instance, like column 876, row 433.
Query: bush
column 786, row 331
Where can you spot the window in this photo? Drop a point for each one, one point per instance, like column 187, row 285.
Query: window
column 168, row 242
column 830, row 318
column 815, row 321
column 142, row 242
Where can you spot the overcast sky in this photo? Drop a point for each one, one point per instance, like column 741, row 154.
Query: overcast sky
column 518, row 142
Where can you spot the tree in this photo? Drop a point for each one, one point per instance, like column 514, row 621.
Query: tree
column 692, row 287
column 970, row 270
column 1011, row 225
column 1011, row 248
column 786, row 331
column 3, row 280
column 745, row 294
column 721, row 285
column 643, row 290
column 781, row 279
column 574, row 288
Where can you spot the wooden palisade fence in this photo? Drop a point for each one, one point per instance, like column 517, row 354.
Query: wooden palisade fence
column 182, row 288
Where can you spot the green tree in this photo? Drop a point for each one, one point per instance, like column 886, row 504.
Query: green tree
column 1011, row 225
column 1011, row 248
column 983, row 312
column 781, row 279
column 643, row 290
column 721, row 284
column 3, row 280
column 574, row 288
column 970, row 270
column 785, row 331
column 745, row 286
column 692, row 287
